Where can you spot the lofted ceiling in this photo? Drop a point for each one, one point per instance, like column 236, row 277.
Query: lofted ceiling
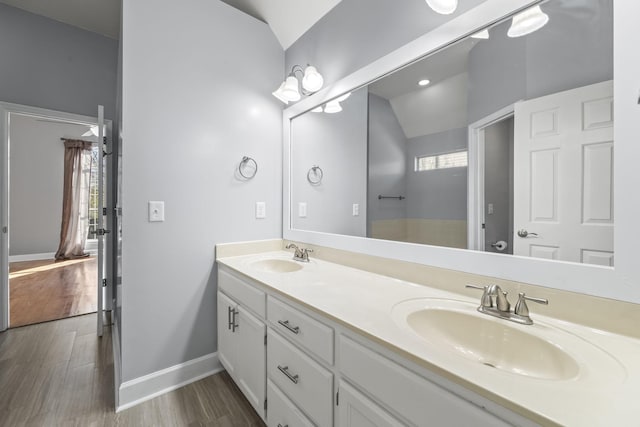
column 98, row 16
column 288, row 19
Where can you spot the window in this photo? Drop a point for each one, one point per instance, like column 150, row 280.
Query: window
column 456, row 159
column 93, row 194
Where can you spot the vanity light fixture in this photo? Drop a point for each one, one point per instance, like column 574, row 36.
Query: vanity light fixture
column 424, row 82
column 527, row 21
column 290, row 90
column 318, row 109
column 482, row 34
column 443, row 7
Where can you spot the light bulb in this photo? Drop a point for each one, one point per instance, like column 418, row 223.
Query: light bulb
column 443, row 7
column 278, row 93
column 312, row 79
column 527, row 22
column 333, row 107
column 290, row 89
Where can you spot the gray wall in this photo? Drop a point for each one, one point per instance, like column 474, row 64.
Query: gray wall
column 37, row 167
column 437, row 194
column 498, row 184
column 52, row 65
column 197, row 83
column 572, row 50
column 338, row 144
column 387, row 162
column 357, row 32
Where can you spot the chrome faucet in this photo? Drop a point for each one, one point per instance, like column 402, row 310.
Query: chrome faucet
column 300, row 254
column 494, row 302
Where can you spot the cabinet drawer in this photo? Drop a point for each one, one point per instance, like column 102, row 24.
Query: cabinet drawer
column 302, row 329
column 304, row 381
column 244, row 293
column 281, row 412
column 416, row 398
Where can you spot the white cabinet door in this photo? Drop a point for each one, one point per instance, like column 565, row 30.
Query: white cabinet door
column 563, row 176
column 226, row 340
column 356, row 410
column 251, row 358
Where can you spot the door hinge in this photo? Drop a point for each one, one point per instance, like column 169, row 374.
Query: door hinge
column 265, row 404
column 102, row 232
column 104, row 211
column 104, row 139
column 338, row 398
column 265, row 339
column 484, row 226
column 104, row 282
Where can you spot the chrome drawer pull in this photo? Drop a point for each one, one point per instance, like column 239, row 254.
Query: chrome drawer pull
column 285, row 370
column 280, row 425
column 229, row 316
column 294, row 329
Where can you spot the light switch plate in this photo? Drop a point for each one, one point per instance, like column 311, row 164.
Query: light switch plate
column 156, row 211
column 302, row 209
column 261, row 210
column 490, row 209
column 356, row 209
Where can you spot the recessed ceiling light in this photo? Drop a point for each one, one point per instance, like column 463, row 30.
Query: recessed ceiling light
column 424, row 82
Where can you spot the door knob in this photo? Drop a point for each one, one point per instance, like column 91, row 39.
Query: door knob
column 524, row 233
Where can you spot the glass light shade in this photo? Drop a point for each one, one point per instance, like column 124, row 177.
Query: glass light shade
column 290, row 89
column 318, row 109
column 333, row 107
column 278, row 93
column 528, row 21
column 443, row 7
column 312, row 79
column 484, row 34
column 343, row 97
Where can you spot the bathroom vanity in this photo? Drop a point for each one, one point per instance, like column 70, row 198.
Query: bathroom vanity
column 321, row 343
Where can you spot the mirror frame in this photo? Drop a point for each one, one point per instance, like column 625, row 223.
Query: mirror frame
column 621, row 282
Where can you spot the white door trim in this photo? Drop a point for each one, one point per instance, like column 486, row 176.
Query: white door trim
column 475, row 176
column 6, row 109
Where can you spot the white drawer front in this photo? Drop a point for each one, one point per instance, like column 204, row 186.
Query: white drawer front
column 281, row 412
column 244, row 293
column 417, row 399
column 304, row 381
column 302, row 329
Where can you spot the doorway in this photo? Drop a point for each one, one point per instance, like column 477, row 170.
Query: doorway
column 40, row 280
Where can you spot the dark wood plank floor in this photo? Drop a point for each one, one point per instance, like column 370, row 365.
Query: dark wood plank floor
column 61, row 374
column 45, row 290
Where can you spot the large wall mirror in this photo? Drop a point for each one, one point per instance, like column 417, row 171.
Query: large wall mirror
column 499, row 142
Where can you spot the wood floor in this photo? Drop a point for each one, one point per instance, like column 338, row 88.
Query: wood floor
column 46, row 290
column 61, row 374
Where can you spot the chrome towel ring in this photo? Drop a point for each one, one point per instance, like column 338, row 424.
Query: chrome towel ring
column 248, row 167
column 315, row 175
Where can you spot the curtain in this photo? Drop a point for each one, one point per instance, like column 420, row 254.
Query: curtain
column 75, row 199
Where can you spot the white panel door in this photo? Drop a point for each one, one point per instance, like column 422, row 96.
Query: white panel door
column 563, row 176
column 100, row 235
column 356, row 410
column 226, row 341
column 251, row 358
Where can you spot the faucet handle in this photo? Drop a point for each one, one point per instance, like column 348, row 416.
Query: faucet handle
column 521, row 308
column 485, row 300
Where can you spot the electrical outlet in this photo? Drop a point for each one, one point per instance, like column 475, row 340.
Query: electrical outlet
column 261, row 210
column 356, row 209
column 490, row 209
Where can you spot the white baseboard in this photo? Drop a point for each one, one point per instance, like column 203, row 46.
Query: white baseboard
column 160, row 382
column 117, row 362
column 31, row 257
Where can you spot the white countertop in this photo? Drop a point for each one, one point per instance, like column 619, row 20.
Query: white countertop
column 604, row 394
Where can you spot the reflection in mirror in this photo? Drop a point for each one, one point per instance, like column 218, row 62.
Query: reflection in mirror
column 502, row 142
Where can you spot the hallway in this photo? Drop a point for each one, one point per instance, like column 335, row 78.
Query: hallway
column 61, row 374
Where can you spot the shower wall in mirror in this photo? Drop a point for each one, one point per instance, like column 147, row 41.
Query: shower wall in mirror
column 495, row 143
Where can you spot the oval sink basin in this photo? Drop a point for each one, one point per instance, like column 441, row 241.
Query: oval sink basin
column 276, row 265
column 494, row 344
column 539, row 351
